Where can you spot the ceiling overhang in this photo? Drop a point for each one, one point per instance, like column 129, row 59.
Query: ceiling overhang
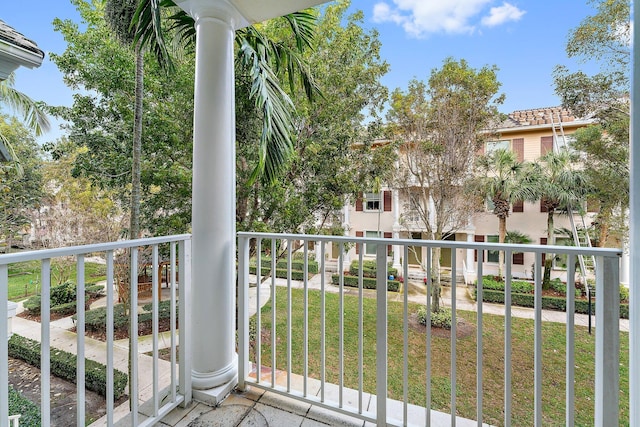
column 248, row 12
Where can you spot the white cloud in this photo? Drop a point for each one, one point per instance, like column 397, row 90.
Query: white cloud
column 499, row 15
column 422, row 17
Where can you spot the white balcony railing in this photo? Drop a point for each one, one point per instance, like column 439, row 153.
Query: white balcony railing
column 296, row 344
column 163, row 387
column 384, row 410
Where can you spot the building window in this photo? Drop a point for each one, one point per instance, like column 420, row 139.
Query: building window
column 370, row 248
column 372, row 202
column 493, row 256
column 492, row 146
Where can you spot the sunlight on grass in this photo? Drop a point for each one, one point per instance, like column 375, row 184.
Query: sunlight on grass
column 25, row 277
column 493, row 359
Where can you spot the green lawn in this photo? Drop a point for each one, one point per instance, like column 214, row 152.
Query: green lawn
column 493, row 365
column 25, row 280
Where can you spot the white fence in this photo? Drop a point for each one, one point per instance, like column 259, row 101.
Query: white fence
column 165, row 392
column 251, row 246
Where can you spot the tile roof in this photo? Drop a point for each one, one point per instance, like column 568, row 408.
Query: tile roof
column 10, row 35
column 538, row 116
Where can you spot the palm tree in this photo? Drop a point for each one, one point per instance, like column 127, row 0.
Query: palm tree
column 32, row 113
column 264, row 60
column 504, row 180
column 560, row 187
column 118, row 14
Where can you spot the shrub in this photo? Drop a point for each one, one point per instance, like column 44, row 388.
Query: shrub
column 94, row 291
column 32, row 305
column 440, row 319
column 369, row 268
column 548, row 303
column 63, row 294
column 281, row 273
column 96, row 319
column 29, row 411
column 624, row 293
column 520, row 286
column 296, row 264
column 367, row 282
column 63, row 365
column 67, row 309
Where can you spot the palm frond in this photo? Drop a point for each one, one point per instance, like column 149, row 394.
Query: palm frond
column 276, row 144
column 30, row 110
column 149, row 33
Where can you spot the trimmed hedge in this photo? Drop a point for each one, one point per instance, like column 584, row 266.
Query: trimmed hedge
column 548, row 303
column 367, row 282
column 63, row 365
column 281, row 273
column 29, row 411
column 296, row 264
column 369, row 268
column 96, row 319
column 63, row 298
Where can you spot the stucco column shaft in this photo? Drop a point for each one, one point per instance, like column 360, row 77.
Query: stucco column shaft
column 213, row 221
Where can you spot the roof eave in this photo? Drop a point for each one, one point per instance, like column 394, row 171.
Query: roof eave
column 12, row 57
column 527, row 128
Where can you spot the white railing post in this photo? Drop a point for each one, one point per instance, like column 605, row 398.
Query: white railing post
column 243, row 310
column 607, row 341
column 381, row 333
column 4, row 345
column 184, row 316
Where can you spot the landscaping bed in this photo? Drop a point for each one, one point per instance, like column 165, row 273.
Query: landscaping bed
column 522, row 294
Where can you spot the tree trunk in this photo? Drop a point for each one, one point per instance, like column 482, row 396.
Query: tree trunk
column 436, row 289
column 548, row 263
column 502, row 233
column 134, row 226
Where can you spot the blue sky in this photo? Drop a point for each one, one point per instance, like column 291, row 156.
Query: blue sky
column 524, row 39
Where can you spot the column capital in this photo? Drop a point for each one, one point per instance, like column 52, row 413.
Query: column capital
column 221, row 10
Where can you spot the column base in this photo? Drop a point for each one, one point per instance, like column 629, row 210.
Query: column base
column 214, row 396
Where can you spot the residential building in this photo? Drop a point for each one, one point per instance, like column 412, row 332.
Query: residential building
column 529, row 134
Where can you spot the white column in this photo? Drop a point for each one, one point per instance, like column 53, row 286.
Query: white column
column 396, row 231
column 213, row 212
column 624, row 264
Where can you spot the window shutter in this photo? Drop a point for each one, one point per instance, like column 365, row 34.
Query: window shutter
column 518, row 206
column 359, row 203
column 387, row 201
column 543, row 241
column 388, row 235
column 518, row 148
column 546, row 144
column 518, row 258
column 543, row 208
column 477, row 239
column 358, row 234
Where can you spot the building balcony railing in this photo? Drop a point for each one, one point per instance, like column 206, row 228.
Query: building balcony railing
column 310, row 339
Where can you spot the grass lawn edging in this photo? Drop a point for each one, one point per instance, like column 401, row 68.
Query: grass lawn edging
column 548, row 303
column 63, row 365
